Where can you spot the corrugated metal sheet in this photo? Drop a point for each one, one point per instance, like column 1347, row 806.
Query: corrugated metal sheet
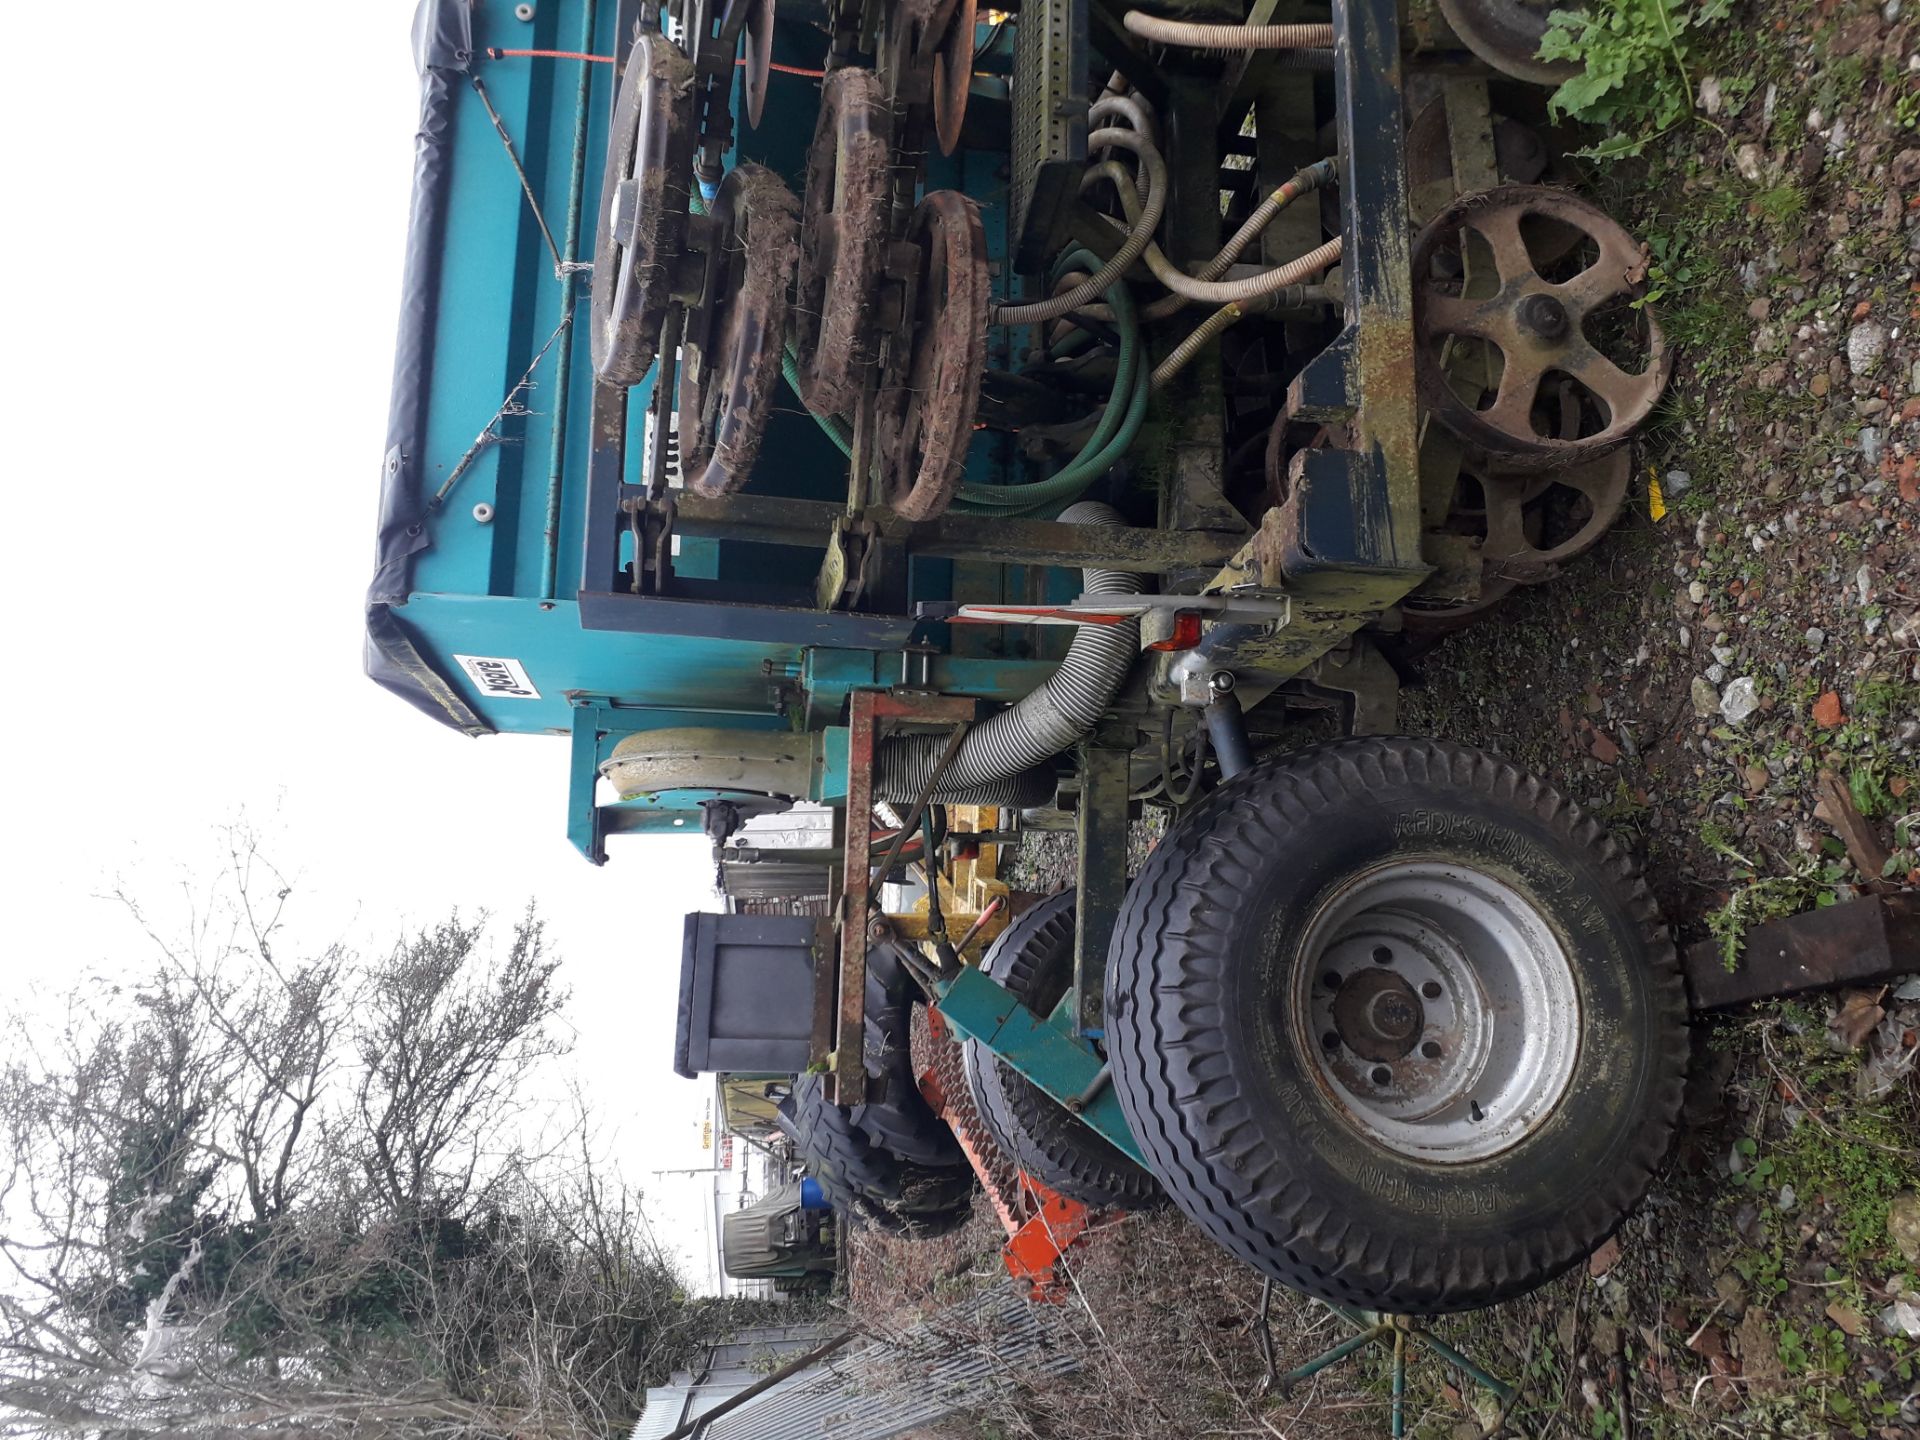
column 726, row 1371
column 957, row 1359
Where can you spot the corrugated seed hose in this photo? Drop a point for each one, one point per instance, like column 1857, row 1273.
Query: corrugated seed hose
column 1143, row 219
column 998, row 761
column 1217, row 292
column 1227, row 37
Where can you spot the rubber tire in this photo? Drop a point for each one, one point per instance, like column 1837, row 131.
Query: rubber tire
column 865, row 1183
column 897, row 1116
column 1033, row 958
column 1235, row 1125
column 890, row 1162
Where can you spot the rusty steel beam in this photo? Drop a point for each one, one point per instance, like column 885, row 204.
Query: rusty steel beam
column 870, row 715
column 1863, row 942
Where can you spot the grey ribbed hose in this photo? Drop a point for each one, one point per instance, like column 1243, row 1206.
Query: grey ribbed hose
column 1227, row 37
column 1011, row 746
column 1137, row 113
column 1143, row 220
column 1220, row 292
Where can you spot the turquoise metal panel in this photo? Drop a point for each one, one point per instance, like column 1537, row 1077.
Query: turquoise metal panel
column 693, row 677
column 1045, row 1050
column 834, row 769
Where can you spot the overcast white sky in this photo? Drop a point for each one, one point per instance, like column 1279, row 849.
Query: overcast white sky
column 201, row 282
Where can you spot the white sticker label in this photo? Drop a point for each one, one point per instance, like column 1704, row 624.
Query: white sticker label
column 498, row 676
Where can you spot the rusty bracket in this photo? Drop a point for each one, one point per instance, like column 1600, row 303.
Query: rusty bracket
column 1861, row 942
column 870, row 714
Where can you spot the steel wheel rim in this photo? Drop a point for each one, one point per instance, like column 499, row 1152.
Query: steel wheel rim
column 1458, row 1029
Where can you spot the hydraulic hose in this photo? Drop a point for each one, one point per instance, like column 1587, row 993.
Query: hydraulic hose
column 1305, row 182
column 1135, row 110
column 1227, row 37
column 832, row 425
column 1209, row 329
column 1009, row 747
column 1204, row 334
column 1313, row 177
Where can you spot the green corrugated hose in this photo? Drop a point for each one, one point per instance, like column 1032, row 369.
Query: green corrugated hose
column 1119, row 423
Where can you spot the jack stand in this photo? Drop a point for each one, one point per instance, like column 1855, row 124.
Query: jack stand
column 1396, row 1330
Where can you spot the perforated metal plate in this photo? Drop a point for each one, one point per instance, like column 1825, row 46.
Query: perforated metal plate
column 1050, row 81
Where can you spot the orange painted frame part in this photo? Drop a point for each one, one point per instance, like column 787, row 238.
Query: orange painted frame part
column 1041, row 1223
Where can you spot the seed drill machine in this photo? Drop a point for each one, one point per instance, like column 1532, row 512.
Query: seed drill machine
column 873, row 431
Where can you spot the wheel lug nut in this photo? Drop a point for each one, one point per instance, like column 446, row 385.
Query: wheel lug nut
column 1431, row 989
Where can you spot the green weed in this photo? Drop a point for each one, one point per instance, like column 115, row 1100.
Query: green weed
column 1634, row 78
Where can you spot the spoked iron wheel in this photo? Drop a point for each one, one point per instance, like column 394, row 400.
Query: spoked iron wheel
column 931, row 384
column 643, row 210
column 843, row 237
column 1509, row 321
column 730, row 358
column 1528, row 525
column 1507, row 34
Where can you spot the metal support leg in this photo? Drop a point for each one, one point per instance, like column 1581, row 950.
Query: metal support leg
column 1101, row 874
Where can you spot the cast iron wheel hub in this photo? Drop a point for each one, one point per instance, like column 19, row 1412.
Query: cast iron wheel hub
column 1438, row 1010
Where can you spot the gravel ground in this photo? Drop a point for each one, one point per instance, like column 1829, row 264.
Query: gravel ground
column 1729, row 676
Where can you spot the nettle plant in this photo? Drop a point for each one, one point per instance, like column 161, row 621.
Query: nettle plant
column 1634, row 79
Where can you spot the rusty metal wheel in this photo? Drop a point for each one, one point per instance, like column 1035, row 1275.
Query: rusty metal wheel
column 931, row 381
column 730, row 357
column 759, row 57
column 1528, row 525
column 1521, row 156
column 1506, row 34
column 910, row 34
column 843, row 237
column 1529, row 319
column 1528, row 540
column 643, row 210
column 953, row 75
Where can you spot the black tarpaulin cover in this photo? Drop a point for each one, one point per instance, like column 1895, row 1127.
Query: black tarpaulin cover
column 443, row 53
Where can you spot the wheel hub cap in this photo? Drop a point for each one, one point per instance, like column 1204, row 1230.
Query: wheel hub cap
column 1542, row 317
column 1378, row 1016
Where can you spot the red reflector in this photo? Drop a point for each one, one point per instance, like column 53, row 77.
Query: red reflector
column 1186, row 632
